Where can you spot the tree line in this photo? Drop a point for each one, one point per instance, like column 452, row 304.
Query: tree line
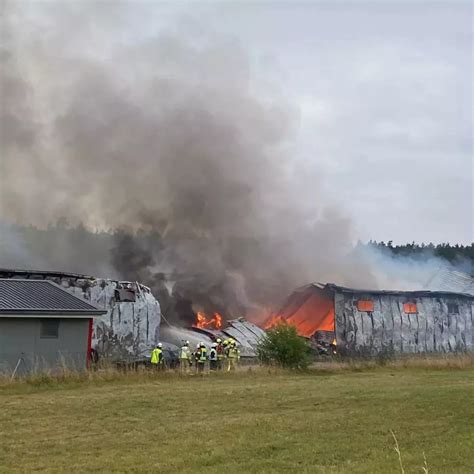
column 75, row 248
column 452, row 253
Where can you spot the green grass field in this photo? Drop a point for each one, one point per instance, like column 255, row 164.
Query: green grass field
column 255, row 421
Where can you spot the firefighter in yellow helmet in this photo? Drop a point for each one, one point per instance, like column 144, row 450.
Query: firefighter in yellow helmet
column 233, row 355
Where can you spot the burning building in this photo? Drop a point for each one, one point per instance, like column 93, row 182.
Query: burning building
column 377, row 321
column 209, row 328
column 130, row 324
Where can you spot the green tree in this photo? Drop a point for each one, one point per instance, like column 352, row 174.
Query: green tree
column 284, row 347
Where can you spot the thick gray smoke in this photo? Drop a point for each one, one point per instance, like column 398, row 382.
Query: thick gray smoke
column 113, row 125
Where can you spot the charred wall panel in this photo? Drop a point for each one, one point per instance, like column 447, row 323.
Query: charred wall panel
column 132, row 322
column 441, row 323
column 131, row 325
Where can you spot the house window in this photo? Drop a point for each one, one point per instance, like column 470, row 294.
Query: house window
column 365, row 305
column 410, row 308
column 49, row 328
column 453, row 308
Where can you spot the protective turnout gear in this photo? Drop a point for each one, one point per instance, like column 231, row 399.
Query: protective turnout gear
column 201, row 357
column 185, row 357
column 333, row 346
column 157, row 356
column 213, row 357
column 220, row 354
column 233, row 356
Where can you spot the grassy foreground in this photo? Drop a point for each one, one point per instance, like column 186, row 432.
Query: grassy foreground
column 259, row 421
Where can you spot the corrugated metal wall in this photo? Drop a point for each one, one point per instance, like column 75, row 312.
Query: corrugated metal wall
column 434, row 328
column 128, row 328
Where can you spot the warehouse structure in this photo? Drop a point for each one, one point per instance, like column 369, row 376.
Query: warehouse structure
column 130, row 322
column 43, row 327
column 377, row 321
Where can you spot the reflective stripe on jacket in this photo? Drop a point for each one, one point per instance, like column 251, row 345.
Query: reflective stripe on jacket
column 202, row 355
column 213, row 354
column 234, row 353
column 185, row 353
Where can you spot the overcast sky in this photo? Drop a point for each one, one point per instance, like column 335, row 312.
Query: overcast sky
column 385, row 94
column 382, row 92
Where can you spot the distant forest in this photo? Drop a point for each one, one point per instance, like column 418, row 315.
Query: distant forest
column 65, row 247
column 454, row 254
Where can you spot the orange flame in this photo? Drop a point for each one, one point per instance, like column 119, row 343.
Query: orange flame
column 274, row 321
column 212, row 323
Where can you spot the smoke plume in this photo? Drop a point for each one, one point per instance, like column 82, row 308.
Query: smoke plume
column 175, row 135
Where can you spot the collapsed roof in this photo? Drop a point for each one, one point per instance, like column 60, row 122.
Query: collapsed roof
column 244, row 332
column 311, row 308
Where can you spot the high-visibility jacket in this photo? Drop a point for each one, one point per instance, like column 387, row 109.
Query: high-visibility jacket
column 156, row 356
column 185, row 353
column 213, row 354
column 233, row 353
column 202, row 355
column 220, row 352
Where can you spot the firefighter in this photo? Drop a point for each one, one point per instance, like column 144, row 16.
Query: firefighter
column 333, row 347
column 185, row 360
column 225, row 352
column 196, row 355
column 157, row 359
column 201, row 357
column 233, row 355
column 213, row 357
column 220, row 354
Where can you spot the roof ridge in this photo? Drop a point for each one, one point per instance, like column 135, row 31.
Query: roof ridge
column 26, row 295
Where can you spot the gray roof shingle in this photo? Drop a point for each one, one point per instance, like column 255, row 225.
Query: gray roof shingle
column 40, row 296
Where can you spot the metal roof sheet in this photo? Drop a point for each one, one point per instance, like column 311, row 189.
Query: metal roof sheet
column 40, row 296
column 413, row 293
column 451, row 280
column 247, row 334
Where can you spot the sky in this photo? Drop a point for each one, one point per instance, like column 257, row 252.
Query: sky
column 385, row 95
column 380, row 96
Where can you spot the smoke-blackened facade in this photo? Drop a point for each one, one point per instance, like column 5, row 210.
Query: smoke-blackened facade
column 372, row 322
column 131, row 325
